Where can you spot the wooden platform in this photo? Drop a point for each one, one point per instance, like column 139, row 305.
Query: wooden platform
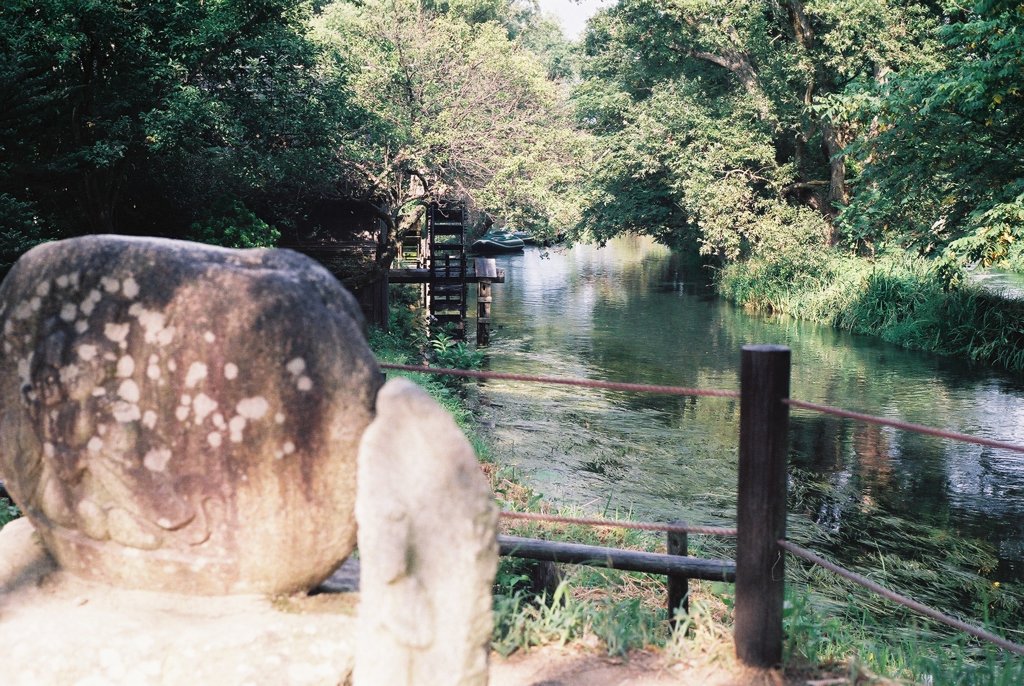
column 484, row 269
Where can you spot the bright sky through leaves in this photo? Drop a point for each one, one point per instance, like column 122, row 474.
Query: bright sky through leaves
column 573, row 15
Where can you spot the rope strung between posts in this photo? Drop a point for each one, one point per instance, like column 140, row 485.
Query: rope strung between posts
column 564, row 381
column 711, row 393
column 906, row 426
column 678, row 528
column 867, row 583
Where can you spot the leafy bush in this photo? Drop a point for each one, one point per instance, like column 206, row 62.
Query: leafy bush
column 235, row 227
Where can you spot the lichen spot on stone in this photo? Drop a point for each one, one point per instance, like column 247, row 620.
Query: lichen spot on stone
column 125, row 366
column 35, row 303
column 25, row 368
column 130, row 287
column 153, row 371
column 23, row 311
column 86, row 352
column 203, row 406
column 231, row 371
column 69, row 312
column 165, row 336
column 279, row 418
column 181, row 413
column 236, row 426
column 172, row 365
column 116, row 332
column 218, row 420
column 49, row 450
column 73, row 279
column 68, row 373
column 43, row 288
column 304, row 383
column 209, row 337
column 94, row 445
column 214, row 439
column 149, row 419
column 129, row 391
column 89, row 304
column 81, row 326
column 99, row 392
column 152, row 323
column 296, row 366
column 125, row 412
column 196, row 373
column 62, row 281
column 110, row 285
column 156, row 459
column 288, row 448
column 253, row 408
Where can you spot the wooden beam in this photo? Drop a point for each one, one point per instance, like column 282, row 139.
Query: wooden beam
column 613, row 558
column 424, row 276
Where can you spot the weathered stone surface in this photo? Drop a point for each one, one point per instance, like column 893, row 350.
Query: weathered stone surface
column 180, row 417
column 427, row 548
column 57, row 629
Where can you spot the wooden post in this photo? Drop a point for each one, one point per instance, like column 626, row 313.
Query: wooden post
column 761, row 504
column 678, row 585
column 483, row 313
column 485, row 268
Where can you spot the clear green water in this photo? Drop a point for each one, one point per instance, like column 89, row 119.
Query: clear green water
column 631, row 312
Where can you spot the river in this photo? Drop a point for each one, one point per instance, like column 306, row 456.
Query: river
column 631, row 311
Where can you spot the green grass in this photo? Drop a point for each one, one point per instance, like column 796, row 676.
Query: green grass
column 897, row 297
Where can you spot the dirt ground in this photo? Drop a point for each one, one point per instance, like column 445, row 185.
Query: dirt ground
column 558, row 666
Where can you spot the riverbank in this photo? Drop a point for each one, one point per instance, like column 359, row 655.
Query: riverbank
column 897, row 297
column 832, row 627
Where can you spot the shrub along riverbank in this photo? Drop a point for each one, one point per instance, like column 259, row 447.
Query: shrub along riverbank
column 832, row 626
column 901, row 298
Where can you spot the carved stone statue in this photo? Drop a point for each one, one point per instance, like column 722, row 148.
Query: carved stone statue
column 427, row 548
column 183, row 418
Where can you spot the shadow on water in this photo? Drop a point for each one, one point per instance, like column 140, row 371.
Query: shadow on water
column 633, row 312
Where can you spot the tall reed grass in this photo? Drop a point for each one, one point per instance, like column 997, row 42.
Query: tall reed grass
column 898, row 297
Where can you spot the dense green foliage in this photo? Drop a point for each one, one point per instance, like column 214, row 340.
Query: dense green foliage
column 787, row 139
column 150, row 117
column 231, row 121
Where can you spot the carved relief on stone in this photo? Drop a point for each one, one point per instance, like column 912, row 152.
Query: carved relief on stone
column 182, row 417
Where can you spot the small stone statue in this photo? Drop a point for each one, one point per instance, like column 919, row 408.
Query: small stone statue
column 427, row 547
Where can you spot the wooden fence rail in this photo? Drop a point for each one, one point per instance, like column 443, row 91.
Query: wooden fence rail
column 759, row 569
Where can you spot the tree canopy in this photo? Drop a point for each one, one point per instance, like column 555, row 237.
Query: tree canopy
column 778, row 129
column 854, row 124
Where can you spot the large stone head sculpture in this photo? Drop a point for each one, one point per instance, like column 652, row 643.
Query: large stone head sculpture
column 180, row 417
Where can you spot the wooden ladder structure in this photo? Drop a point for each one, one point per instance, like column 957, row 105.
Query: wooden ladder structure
column 446, row 288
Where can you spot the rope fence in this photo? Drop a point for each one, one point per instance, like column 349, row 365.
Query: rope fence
column 674, row 528
column 761, row 498
column 566, row 381
column 905, row 426
column 903, row 600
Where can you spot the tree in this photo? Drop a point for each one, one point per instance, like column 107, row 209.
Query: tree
column 455, row 110
column 708, row 108
column 145, row 117
column 941, row 145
